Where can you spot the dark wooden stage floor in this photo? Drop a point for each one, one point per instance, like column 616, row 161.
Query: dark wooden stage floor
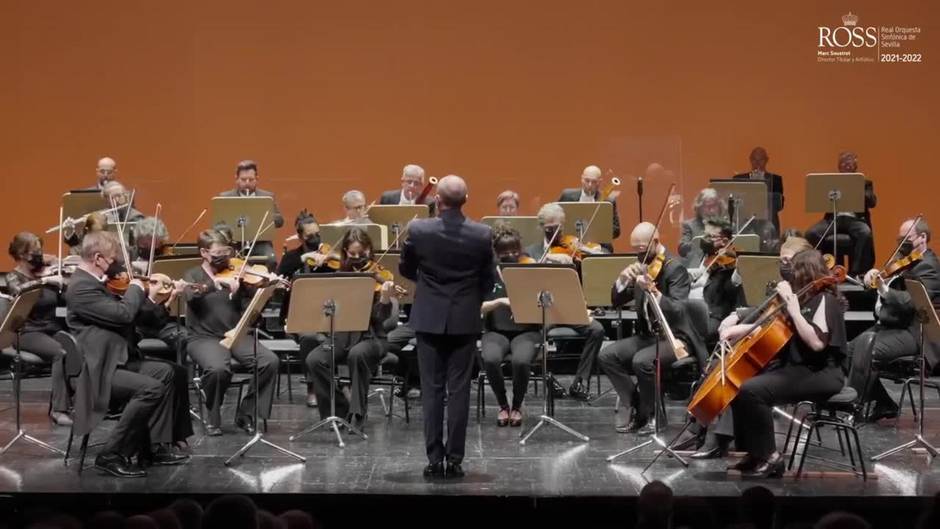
column 551, row 468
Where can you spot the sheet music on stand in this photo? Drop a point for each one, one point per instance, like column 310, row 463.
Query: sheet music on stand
column 244, row 215
column 578, row 217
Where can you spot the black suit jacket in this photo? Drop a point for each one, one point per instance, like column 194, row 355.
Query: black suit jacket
column 393, row 198
column 574, row 194
column 721, row 294
column 101, row 324
column 278, row 218
column 674, row 283
column 451, row 260
column 775, row 198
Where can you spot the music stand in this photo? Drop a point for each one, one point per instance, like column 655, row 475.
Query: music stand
column 579, row 214
column 243, row 215
column 598, row 273
column 832, row 193
column 248, row 320
column 395, row 217
column 331, row 303
column 929, row 325
column 748, row 197
column 546, row 295
column 78, row 203
column 757, row 272
column 333, row 232
column 10, row 332
column 528, row 227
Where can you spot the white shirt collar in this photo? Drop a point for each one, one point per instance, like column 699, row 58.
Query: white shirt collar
column 404, row 201
column 586, row 198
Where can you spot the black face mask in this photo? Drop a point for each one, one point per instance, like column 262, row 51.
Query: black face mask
column 357, row 263
column 551, row 235
column 312, row 242
column 115, row 269
column 36, row 261
column 786, row 271
column 219, row 262
column 508, row 258
column 906, row 248
column 707, row 245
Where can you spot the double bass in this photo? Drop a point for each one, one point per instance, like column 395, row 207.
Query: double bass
column 749, row 355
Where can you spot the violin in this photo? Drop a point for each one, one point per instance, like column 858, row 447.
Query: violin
column 251, row 275
column 163, row 287
column 747, row 356
column 575, row 248
column 331, row 261
column 382, row 275
column 895, row 267
column 724, row 259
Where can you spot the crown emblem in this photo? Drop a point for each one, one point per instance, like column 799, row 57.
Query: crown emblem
column 849, row 19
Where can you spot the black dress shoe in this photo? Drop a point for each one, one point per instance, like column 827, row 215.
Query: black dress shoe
column 434, row 470
column 635, row 424
column 647, row 429
column 245, row 422
column 713, row 452
column 118, row 466
column 453, row 471
column 168, row 456
column 883, row 412
column 213, row 431
column 773, row 467
column 578, row 392
column 746, row 464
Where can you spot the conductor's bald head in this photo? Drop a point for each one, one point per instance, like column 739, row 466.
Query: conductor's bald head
column 451, row 192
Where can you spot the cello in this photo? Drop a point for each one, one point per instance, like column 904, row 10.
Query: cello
column 752, row 352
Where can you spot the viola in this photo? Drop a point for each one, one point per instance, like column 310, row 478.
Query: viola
column 752, row 352
column 896, row 266
column 724, row 259
column 575, row 248
column 250, row 275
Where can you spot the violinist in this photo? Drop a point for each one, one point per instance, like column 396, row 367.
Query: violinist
column 590, row 191
column 36, row 337
column 636, row 355
column 557, row 247
column 809, row 367
column 717, row 281
column 362, row 351
column 896, row 333
column 507, row 203
column 707, row 205
column 210, row 314
column 310, row 249
column 354, row 202
column 101, row 323
column 503, row 337
column 412, row 185
column 552, row 218
column 150, row 233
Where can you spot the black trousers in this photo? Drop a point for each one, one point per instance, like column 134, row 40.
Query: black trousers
column 495, row 347
column 878, row 344
column 307, row 343
column 148, row 389
column 446, row 363
column 215, row 361
column 593, row 334
column 862, row 257
column 397, row 339
column 635, row 356
column 778, row 384
column 362, row 358
column 45, row 347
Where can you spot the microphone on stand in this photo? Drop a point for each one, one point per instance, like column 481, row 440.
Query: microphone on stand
column 639, row 195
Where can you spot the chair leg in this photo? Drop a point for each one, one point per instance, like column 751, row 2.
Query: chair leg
column 858, row 449
column 238, row 402
column 799, row 470
column 290, row 380
column 68, row 445
column 84, row 450
column 796, row 443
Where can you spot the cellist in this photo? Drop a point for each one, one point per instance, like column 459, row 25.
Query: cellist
column 808, row 367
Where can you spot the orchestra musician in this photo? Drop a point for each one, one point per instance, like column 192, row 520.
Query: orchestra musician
column 354, row 202
column 809, row 367
column 36, row 336
column 707, row 205
column 102, row 323
column 552, row 219
column 718, row 284
column 451, row 260
column 774, row 182
column 590, row 191
column 896, row 333
column 246, row 185
column 503, row 337
column 210, row 314
column 856, row 225
column 106, row 170
column 636, row 355
column 73, row 232
column 362, row 351
column 412, row 183
column 149, row 233
column 507, row 203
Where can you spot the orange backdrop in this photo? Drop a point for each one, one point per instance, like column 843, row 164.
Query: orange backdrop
column 329, row 96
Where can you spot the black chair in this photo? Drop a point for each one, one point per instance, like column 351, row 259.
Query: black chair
column 563, row 339
column 74, row 363
column 384, row 377
column 534, row 378
column 838, row 412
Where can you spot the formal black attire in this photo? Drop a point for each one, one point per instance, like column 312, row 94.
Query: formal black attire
column 574, row 195
column 102, row 324
column 797, row 373
column 37, row 332
column 393, row 197
column 265, row 248
column 636, row 355
column 209, row 315
column 451, row 260
column 858, row 227
column 504, row 338
column 775, row 198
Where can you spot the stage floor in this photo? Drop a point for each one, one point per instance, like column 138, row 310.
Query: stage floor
column 551, row 465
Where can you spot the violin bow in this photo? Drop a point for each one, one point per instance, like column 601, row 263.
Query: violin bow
column 191, row 226
column 659, row 220
column 241, row 271
column 588, row 225
column 545, row 253
column 59, row 252
column 906, row 235
column 153, row 242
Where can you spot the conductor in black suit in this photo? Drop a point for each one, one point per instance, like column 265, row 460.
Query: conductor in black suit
column 774, row 182
column 451, row 260
column 412, row 183
column 590, row 191
column 246, row 185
